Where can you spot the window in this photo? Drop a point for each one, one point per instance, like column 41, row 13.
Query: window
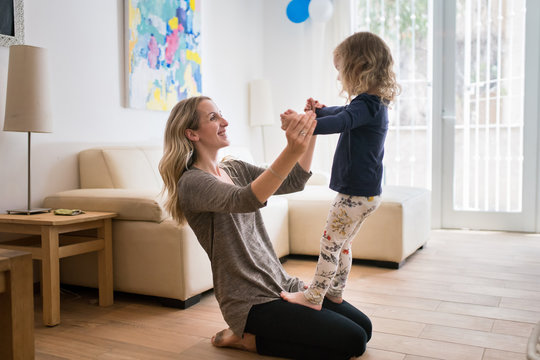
column 405, row 25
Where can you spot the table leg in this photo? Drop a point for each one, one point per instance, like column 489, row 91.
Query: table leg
column 50, row 276
column 17, row 307
column 105, row 265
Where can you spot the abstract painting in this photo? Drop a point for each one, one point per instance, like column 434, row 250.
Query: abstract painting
column 163, row 46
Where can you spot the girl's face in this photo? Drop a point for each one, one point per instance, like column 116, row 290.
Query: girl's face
column 212, row 131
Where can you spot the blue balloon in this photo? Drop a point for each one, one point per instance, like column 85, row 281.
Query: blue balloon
column 297, row 10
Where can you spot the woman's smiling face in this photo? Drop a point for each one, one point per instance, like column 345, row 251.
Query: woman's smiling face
column 212, row 131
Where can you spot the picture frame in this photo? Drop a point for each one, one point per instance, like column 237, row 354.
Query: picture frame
column 11, row 22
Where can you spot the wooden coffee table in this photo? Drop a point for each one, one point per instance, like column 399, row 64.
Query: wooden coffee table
column 53, row 240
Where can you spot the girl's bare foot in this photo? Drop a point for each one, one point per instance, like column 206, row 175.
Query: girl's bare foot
column 334, row 299
column 226, row 338
column 299, row 298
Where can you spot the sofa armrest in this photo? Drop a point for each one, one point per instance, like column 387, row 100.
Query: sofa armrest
column 129, row 204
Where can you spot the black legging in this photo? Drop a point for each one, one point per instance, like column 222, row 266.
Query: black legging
column 338, row 331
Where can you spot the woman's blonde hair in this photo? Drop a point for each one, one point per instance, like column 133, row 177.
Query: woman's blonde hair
column 178, row 151
column 365, row 63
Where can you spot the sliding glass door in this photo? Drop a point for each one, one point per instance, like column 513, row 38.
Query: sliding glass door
column 465, row 125
column 490, row 115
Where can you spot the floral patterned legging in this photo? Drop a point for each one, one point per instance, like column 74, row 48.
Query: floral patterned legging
column 343, row 223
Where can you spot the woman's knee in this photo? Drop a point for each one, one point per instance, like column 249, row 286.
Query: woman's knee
column 352, row 313
column 355, row 340
column 368, row 328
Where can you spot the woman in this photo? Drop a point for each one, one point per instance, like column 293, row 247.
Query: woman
column 221, row 203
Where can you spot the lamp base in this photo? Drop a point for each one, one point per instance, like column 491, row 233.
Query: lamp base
column 29, row 211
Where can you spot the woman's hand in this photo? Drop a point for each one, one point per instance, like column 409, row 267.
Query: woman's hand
column 286, row 118
column 307, row 157
column 299, row 131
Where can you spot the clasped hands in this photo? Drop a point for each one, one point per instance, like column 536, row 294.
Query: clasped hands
column 299, row 127
column 291, row 115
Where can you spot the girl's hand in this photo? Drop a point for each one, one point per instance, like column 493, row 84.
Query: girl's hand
column 286, row 118
column 312, row 105
column 299, row 131
column 309, row 105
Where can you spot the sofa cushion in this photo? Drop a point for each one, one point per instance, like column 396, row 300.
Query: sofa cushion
column 121, row 167
column 130, row 169
column 128, row 204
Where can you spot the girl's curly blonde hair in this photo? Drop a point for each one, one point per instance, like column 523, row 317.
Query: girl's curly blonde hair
column 365, row 64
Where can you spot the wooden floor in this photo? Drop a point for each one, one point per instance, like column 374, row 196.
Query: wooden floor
column 465, row 296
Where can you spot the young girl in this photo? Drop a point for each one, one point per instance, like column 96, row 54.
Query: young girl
column 364, row 65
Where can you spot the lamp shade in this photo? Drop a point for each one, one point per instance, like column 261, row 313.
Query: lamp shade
column 28, row 106
column 261, row 108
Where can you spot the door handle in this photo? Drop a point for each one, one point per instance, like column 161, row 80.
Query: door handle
column 449, row 118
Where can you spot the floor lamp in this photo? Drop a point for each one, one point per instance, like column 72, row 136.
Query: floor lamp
column 261, row 108
column 27, row 101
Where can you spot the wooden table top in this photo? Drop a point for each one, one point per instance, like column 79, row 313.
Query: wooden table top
column 52, row 219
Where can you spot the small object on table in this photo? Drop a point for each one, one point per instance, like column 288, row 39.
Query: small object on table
column 68, row 212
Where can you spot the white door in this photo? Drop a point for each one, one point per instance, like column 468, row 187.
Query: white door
column 490, row 65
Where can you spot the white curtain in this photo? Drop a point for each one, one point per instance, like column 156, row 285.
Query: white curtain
column 326, row 88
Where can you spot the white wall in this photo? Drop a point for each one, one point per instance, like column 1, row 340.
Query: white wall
column 85, row 43
column 298, row 62
column 285, row 66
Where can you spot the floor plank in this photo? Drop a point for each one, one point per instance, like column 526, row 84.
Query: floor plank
column 425, row 347
column 490, row 312
column 475, row 338
column 491, row 354
column 512, row 328
column 427, row 317
column 414, row 357
column 520, row 304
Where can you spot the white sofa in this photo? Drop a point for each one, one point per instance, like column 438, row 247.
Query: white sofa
column 154, row 256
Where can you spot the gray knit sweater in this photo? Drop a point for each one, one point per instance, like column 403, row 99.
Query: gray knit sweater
column 228, row 225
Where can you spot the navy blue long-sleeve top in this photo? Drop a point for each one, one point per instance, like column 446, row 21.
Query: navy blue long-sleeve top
column 357, row 168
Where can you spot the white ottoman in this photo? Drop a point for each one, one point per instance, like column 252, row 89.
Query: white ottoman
column 399, row 227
